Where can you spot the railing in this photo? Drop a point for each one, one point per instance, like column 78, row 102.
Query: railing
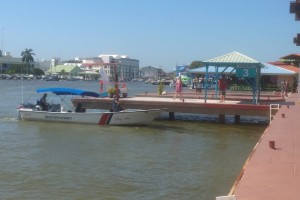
column 273, row 110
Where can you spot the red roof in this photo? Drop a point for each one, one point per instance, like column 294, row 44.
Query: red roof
column 285, row 66
column 291, row 56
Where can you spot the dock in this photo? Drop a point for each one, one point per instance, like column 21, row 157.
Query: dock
column 236, row 105
column 272, row 171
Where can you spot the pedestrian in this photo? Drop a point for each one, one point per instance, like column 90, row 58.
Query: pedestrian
column 116, row 107
column 286, row 88
column 283, row 86
column 178, row 88
column 222, row 83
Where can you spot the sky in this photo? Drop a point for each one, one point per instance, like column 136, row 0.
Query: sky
column 161, row 33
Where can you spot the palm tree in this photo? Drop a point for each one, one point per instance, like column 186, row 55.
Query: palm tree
column 27, row 57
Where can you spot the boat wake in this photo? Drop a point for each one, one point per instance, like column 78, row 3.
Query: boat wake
column 8, row 119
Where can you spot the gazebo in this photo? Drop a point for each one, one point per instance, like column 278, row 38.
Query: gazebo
column 244, row 66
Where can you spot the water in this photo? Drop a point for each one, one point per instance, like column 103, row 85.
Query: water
column 178, row 159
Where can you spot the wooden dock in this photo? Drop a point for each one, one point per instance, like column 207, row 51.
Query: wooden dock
column 239, row 105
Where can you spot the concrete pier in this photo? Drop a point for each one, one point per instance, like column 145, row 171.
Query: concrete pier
column 272, row 171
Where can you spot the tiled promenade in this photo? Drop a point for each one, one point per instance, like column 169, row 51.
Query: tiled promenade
column 274, row 174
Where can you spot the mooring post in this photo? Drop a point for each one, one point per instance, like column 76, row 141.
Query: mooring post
column 221, row 118
column 237, row 119
column 171, row 115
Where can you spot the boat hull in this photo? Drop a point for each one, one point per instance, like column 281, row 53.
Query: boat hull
column 130, row 117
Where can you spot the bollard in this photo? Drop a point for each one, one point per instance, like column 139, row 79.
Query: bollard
column 283, row 115
column 288, row 106
column 272, row 145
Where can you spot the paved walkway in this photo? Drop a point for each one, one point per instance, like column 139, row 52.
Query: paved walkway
column 274, row 174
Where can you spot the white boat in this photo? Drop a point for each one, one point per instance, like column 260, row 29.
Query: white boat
column 57, row 114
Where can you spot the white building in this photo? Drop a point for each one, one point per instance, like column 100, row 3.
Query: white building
column 126, row 68
column 42, row 64
column 151, row 72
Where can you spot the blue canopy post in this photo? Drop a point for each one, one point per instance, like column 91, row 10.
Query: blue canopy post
column 258, row 75
column 205, row 83
column 254, row 90
column 252, row 83
column 256, row 85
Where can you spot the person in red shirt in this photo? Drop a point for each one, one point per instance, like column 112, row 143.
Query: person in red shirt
column 222, row 83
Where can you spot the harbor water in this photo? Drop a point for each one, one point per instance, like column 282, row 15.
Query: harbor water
column 186, row 158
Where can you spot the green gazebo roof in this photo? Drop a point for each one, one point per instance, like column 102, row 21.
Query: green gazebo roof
column 232, row 59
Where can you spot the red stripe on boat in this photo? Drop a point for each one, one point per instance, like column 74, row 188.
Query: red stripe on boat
column 104, row 119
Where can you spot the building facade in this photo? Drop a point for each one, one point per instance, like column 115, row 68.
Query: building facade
column 125, row 67
column 69, row 70
column 6, row 61
column 151, row 72
column 42, row 64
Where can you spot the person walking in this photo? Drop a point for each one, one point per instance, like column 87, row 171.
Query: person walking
column 178, row 88
column 286, row 88
column 283, row 86
column 222, row 83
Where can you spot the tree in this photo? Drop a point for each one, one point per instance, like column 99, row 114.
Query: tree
column 196, row 64
column 63, row 72
column 14, row 69
column 27, row 57
column 160, row 88
column 37, row 71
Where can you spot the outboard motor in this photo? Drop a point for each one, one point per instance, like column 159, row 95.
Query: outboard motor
column 38, row 107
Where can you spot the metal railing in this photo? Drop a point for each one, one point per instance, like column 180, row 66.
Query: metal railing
column 273, row 110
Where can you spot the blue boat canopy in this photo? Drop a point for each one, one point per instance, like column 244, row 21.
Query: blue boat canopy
column 68, row 91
